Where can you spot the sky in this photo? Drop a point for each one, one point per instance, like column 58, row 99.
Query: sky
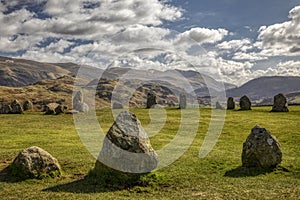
column 236, row 40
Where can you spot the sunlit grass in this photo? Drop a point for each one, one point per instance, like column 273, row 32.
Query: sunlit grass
column 188, row 178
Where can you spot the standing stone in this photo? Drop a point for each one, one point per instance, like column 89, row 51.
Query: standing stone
column 16, row 107
column 230, row 103
column 182, row 101
column 126, row 147
column 50, row 108
column 280, row 104
column 5, row 109
column 35, row 162
column 151, row 100
column 219, row 106
column 245, row 103
column 60, row 109
column 78, row 101
column 117, row 105
column 27, row 105
column 261, row 149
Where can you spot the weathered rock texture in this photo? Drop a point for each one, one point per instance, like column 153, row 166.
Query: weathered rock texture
column 27, row 105
column 261, row 149
column 182, row 101
column 280, row 104
column 5, row 109
column 151, row 100
column 60, row 109
column 16, row 107
column 127, row 147
column 245, row 103
column 35, row 162
column 230, row 103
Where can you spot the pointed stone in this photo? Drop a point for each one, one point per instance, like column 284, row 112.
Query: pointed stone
column 127, row 147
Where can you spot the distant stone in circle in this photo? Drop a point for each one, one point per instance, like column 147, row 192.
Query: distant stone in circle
column 245, row 103
column 230, row 103
column 280, row 104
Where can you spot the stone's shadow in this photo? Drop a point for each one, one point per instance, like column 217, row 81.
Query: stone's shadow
column 252, row 171
column 85, row 185
column 107, row 180
column 7, row 176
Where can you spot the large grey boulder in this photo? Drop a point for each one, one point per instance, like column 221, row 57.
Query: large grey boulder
column 151, row 100
column 280, row 104
column 126, row 147
column 35, row 162
column 5, row 109
column 230, row 103
column 27, row 105
column 16, row 107
column 261, row 149
column 245, row 103
column 182, row 101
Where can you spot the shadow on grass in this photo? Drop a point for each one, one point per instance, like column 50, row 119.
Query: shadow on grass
column 7, row 176
column 253, row 171
column 107, row 181
column 86, row 185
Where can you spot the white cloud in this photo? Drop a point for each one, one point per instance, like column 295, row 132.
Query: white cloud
column 235, row 45
column 201, row 35
column 282, row 38
column 251, row 56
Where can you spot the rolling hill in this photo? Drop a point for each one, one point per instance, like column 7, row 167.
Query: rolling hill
column 266, row 87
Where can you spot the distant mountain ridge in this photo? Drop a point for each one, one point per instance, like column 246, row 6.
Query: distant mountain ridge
column 264, row 87
column 21, row 72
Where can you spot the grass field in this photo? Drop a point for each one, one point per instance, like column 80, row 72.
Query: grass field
column 216, row 176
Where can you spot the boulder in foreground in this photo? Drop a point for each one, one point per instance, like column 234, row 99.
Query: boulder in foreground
column 126, row 147
column 35, row 162
column 261, row 149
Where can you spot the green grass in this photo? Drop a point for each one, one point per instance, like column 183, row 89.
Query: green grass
column 216, row 176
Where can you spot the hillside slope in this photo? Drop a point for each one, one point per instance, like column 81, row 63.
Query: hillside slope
column 267, row 87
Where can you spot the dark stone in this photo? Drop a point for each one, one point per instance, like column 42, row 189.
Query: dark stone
column 280, row 104
column 60, row 109
column 16, row 107
column 230, row 103
column 27, row 105
column 245, row 103
column 182, row 101
column 151, row 100
column 35, row 162
column 127, row 147
column 5, row 109
column 261, row 149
